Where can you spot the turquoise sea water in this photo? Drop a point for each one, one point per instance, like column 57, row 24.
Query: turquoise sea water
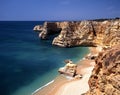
column 26, row 62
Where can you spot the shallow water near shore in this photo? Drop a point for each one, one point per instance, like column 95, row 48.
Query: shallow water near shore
column 26, row 62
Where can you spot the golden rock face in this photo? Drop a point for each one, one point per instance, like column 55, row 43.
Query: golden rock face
column 105, row 77
column 88, row 33
column 69, row 69
column 82, row 33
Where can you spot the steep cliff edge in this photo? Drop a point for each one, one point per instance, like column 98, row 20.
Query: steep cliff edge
column 105, row 78
column 48, row 28
column 89, row 33
column 82, row 33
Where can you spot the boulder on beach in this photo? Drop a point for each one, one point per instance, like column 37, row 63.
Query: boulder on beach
column 69, row 69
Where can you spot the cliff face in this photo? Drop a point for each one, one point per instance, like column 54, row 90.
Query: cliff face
column 82, row 33
column 49, row 28
column 75, row 34
column 105, row 78
column 88, row 33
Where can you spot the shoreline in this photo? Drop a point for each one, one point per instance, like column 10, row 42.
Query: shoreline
column 85, row 67
column 42, row 87
column 52, row 87
column 67, row 89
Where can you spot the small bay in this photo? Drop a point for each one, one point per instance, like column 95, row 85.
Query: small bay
column 26, row 62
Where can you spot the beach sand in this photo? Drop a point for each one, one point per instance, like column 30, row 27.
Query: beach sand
column 53, row 87
column 63, row 86
column 77, row 87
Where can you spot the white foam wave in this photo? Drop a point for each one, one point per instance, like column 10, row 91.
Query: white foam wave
column 43, row 87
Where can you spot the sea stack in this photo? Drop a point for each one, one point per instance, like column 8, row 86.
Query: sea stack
column 48, row 28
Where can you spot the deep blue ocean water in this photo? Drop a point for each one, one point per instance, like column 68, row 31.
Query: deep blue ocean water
column 26, row 62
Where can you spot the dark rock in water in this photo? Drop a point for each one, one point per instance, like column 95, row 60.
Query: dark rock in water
column 105, row 78
column 68, row 61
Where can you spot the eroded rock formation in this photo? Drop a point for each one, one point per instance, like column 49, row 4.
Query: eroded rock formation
column 49, row 28
column 105, row 78
column 75, row 34
column 82, row 33
column 38, row 28
column 89, row 33
column 69, row 69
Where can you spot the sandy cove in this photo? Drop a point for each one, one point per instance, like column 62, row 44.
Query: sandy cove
column 63, row 86
column 77, row 87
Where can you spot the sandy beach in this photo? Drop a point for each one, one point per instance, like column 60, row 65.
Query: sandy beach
column 84, row 68
column 53, row 87
column 65, row 86
column 77, row 87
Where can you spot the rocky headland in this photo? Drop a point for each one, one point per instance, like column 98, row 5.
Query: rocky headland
column 47, row 29
column 103, row 36
column 104, row 33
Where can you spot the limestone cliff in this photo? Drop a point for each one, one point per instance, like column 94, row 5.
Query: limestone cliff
column 105, row 78
column 89, row 33
column 75, row 34
column 47, row 29
column 82, row 33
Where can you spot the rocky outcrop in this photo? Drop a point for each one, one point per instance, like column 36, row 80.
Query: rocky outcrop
column 75, row 34
column 105, row 78
column 89, row 33
column 82, row 33
column 49, row 28
column 69, row 69
column 38, row 28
